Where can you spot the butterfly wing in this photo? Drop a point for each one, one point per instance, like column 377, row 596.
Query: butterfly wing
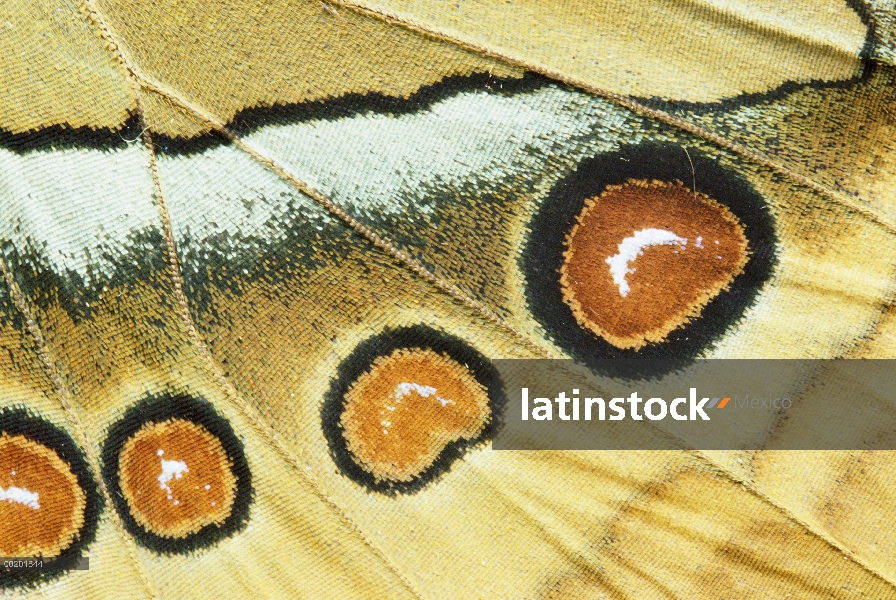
column 238, row 232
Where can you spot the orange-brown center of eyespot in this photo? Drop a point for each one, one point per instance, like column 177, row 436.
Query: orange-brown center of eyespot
column 645, row 257
column 176, row 478
column 401, row 414
column 41, row 503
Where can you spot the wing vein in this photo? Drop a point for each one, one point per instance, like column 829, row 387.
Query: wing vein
column 626, row 102
column 416, row 267
column 34, row 329
column 135, row 80
column 139, row 80
column 174, row 268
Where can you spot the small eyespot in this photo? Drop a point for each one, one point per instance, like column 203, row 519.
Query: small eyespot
column 177, row 474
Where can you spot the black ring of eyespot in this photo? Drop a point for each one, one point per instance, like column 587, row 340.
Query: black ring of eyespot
column 158, row 409
column 20, row 421
column 542, row 257
column 359, row 361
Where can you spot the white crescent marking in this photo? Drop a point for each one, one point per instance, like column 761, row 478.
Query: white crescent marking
column 632, row 247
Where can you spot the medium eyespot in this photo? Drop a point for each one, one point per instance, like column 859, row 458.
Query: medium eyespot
column 405, row 405
column 623, row 260
column 177, row 473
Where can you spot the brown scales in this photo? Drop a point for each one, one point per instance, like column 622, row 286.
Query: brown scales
column 671, row 283
column 202, row 495
column 397, row 430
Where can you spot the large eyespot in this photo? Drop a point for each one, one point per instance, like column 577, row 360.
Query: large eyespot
column 49, row 503
column 627, row 260
column 405, row 405
column 177, row 474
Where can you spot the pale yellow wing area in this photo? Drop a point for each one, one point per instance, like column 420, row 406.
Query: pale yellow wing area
column 697, row 51
column 227, row 57
column 712, row 64
column 567, row 525
column 233, row 56
column 203, row 270
column 843, row 138
column 57, row 70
